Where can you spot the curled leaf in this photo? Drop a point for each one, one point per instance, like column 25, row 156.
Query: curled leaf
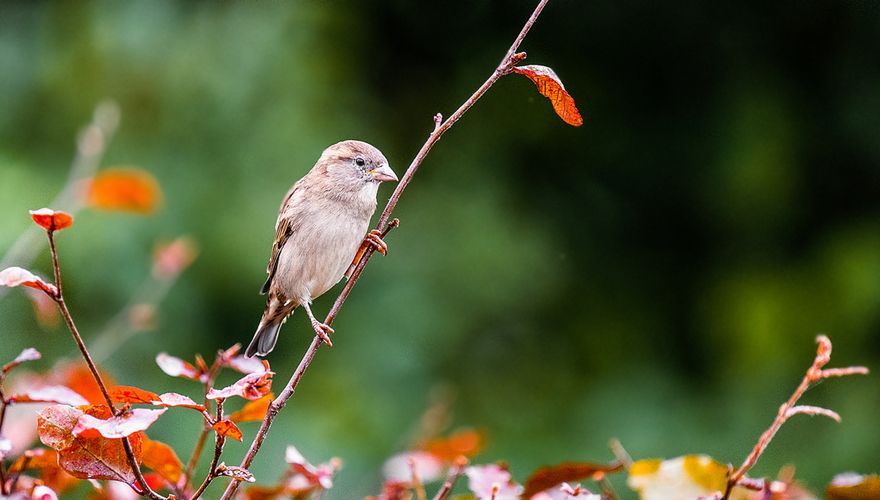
column 51, row 220
column 122, row 425
column 57, row 394
column 16, row 276
column 124, row 189
column 252, row 386
column 29, row 354
column 235, row 472
column 173, row 399
column 228, row 429
column 128, row 394
column 177, row 367
column 551, row 87
column 85, row 457
column 253, row 410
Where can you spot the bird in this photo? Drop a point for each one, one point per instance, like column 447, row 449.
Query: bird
column 320, row 234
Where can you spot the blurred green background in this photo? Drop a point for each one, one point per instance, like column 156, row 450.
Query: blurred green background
column 657, row 275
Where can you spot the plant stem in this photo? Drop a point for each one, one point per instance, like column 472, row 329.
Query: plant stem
column 218, row 450
column 454, row 473
column 206, row 428
column 440, row 127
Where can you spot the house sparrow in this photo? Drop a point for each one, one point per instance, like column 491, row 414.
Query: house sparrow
column 319, row 235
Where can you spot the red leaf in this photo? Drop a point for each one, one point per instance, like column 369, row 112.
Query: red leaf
column 125, row 189
column 177, row 367
column 550, row 86
column 128, row 394
column 120, row 426
column 15, row 276
column 252, row 386
column 466, row 443
column 77, row 374
column 316, row 477
column 52, row 220
column 82, row 457
column 254, row 410
column 550, row 476
column 57, row 394
column 172, row 399
column 226, row 428
column 161, row 458
column 29, row 354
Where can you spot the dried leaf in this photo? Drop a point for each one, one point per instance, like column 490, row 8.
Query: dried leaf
column 85, row 458
column 129, row 394
column 170, row 259
column 122, row 425
column 124, row 189
column 29, row 354
column 228, row 429
column 177, row 367
column 852, row 486
column 467, row 442
column 161, row 458
column 16, row 276
column 551, row 87
column 252, row 386
column 254, row 410
column 235, row 472
column 550, row 476
column 52, row 220
column 173, row 399
column 57, row 394
column 690, row 476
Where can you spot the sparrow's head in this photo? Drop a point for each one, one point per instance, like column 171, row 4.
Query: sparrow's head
column 353, row 162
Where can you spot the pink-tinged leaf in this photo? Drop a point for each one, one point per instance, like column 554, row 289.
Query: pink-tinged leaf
column 129, row 394
column 52, row 220
column 177, row 367
column 245, row 365
column 399, row 468
column 82, row 457
column 57, row 394
column 228, row 429
column 492, row 481
column 812, row 411
column 173, row 399
column 252, row 386
column 29, row 354
column 310, row 477
column 551, row 87
column 43, row 492
column 171, row 259
column 16, row 276
column 235, row 472
column 120, row 426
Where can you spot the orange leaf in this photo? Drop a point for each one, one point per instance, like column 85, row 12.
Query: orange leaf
column 124, row 189
column 254, row 410
column 226, row 428
column 550, row 476
column 467, row 442
column 85, row 458
column 77, row 374
column 46, row 461
column 52, row 220
column 15, row 276
column 551, row 87
column 161, row 458
column 128, row 394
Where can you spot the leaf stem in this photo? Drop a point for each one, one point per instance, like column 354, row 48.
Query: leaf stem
column 218, row 450
column 384, row 224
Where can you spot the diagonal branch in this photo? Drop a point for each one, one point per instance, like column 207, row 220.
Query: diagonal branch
column 511, row 57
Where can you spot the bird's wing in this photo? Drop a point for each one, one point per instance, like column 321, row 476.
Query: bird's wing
column 283, row 231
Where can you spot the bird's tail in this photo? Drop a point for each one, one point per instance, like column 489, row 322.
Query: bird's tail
column 265, row 338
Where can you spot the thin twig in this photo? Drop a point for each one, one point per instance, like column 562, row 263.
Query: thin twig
column 218, row 450
column 454, row 473
column 384, row 224
column 65, row 312
column 206, row 428
column 814, row 374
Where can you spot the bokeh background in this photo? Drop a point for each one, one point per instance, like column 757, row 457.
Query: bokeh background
column 657, row 275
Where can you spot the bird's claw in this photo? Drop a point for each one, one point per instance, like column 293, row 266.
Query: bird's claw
column 322, row 330
column 374, row 239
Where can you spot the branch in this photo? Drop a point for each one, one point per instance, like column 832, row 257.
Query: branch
column 385, row 224
column 65, row 312
column 218, row 450
column 454, row 473
column 200, row 443
column 788, row 409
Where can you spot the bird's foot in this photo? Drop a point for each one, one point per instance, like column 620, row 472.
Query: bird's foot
column 322, row 330
column 374, row 239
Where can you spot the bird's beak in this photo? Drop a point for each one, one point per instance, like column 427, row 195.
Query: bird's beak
column 383, row 173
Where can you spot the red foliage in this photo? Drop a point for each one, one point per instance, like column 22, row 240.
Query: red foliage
column 551, row 87
column 52, row 220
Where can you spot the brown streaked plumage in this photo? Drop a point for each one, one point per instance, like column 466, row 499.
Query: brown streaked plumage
column 320, row 227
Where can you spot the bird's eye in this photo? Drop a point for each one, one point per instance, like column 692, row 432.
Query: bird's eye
column 359, row 161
